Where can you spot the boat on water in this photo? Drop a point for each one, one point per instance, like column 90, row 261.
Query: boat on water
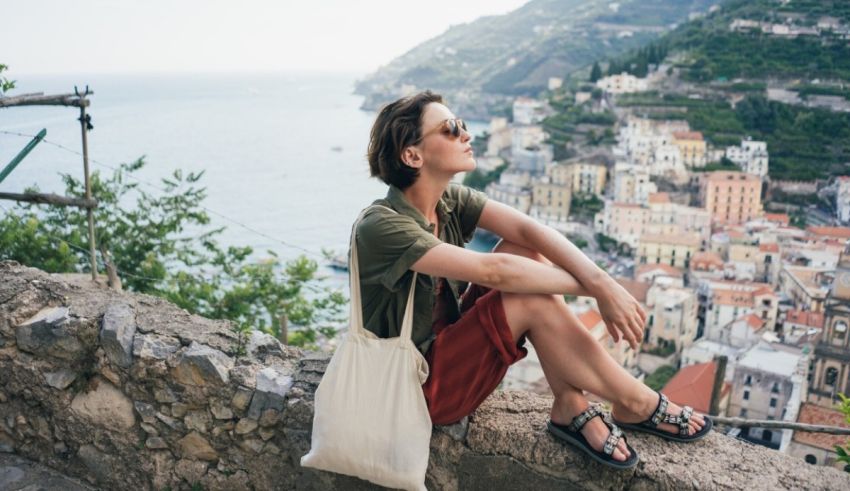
column 339, row 262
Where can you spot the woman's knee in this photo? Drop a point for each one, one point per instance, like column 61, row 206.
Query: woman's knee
column 525, row 310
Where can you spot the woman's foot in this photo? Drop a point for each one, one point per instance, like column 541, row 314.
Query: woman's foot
column 594, row 431
column 645, row 408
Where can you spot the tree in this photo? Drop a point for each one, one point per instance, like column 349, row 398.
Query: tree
column 5, row 84
column 844, row 452
column 595, row 72
column 148, row 237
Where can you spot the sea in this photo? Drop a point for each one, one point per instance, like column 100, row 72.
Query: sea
column 283, row 154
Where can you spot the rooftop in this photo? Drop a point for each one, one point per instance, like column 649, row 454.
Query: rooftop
column 692, row 386
column 658, row 269
column 636, row 288
column 703, row 261
column 769, row 247
column 812, row 414
column 724, row 176
column 686, row 239
column 780, row 218
column 766, row 358
column 833, row 232
column 657, row 198
column 804, row 318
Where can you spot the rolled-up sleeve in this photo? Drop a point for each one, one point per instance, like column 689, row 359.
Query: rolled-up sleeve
column 388, row 244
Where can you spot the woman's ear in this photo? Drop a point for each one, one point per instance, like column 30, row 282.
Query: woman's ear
column 411, row 157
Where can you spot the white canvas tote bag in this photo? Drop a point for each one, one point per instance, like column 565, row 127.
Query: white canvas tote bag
column 370, row 416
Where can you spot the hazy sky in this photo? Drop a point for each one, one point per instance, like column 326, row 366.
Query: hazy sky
column 104, row 36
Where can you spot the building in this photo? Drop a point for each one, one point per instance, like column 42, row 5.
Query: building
column 624, row 222
column 731, row 197
column 669, row 218
column 751, row 156
column 529, row 111
column 587, row 177
column 723, row 302
column 533, row 159
column 647, row 273
column 591, row 319
column 672, row 310
column 632, row 184
column 551, row 198
column 832, row 353
column 693, row 386
column 769, row 383
column 675, row 250
column 623, row 83
column 707, row 265
column 513, row 189
column 818, row 448
column 842, row 199
column 692, row 148
column 806, row 286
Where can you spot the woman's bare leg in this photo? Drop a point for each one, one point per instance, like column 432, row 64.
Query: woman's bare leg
column 569, row 400
column 572, row 359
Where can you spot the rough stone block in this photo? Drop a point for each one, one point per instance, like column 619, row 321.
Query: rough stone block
column 105, row 406
column 195, row 447
column 116, row 333
column 60, row 379
column 154, row 347
column 47, row 333
column 203, row 366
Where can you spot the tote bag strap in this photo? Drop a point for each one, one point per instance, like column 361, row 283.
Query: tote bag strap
column 356, row 304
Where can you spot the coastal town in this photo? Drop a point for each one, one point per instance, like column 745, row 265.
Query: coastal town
column 748, row 304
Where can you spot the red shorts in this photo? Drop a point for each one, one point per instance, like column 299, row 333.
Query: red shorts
column 468, row 359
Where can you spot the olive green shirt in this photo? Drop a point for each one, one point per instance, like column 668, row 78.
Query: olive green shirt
column 389, row 243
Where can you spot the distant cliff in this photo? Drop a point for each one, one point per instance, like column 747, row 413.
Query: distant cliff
column 485, row 61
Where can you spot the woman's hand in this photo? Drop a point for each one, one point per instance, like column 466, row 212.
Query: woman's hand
column 622, row 313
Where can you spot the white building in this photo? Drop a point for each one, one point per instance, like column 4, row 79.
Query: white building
column 672, row 311
column 623, row 83
column 750, row 155
column 513, row 189
column 769, row 383
column 632, row 184
column 529, row 111
column 842, row 199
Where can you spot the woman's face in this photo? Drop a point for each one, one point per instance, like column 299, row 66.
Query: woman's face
column 443, row 153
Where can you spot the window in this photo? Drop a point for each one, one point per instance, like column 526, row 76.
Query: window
column 811, row 459
column 746, row 395
column 743, row 412
column 767, row 435
column 748, row 380
column 772, row 402
column 831, row 375
column 775, row 388
column 839, row 329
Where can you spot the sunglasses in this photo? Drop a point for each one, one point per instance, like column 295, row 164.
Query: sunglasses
column 448, row 127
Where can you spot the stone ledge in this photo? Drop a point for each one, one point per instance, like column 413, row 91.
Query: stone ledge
column 179, row 410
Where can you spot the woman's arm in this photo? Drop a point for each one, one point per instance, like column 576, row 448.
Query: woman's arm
column 505, row 272
column 620, row 311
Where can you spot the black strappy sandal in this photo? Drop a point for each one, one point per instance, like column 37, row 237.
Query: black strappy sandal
column 571, row 434
column 662, row 416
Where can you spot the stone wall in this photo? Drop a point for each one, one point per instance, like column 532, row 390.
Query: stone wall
column 127, row 391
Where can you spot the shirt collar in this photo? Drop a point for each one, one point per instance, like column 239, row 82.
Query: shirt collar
column 400, row 204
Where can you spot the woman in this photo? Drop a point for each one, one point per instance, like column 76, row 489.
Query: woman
column 473, row 311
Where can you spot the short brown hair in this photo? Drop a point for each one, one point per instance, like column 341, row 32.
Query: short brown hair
column 398, row 125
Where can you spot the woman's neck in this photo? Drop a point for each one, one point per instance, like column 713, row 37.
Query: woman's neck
column 424, row 195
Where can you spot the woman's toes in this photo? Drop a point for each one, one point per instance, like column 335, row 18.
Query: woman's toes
column 618, row 455
column 623, row 448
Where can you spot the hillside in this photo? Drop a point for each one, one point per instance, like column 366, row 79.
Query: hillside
column 517, row 53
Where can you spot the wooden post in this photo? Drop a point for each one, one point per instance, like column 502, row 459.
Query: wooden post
column 284, row 329
column 717, row 389
column 84, row 124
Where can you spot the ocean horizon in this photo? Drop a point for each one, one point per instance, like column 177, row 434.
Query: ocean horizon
column 283, row 153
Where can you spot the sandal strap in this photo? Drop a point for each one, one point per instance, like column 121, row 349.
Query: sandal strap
column 660, row 414
column 583, row 417
column 684, row 419
column 613, row 439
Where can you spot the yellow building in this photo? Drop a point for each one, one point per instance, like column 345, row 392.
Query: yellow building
column 691, row 147
column 731, row 197
column 551, row 200
column 675, row 250
column 586, row 177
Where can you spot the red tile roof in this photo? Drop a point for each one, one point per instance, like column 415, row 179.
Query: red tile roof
column 705, row 261
column 590, row 318
column 753, row 321
column 636, row 288
column 692, row 385
column 834, row 232
column 805, row 318
column 781, row 218
column 812, row 414
column 659, row 198
column 771, row 247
